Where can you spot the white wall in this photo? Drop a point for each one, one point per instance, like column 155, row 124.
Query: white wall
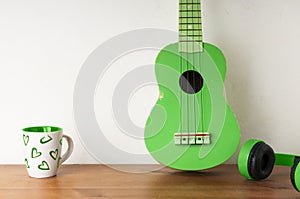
column 43, row 45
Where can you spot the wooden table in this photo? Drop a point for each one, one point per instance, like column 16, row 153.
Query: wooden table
column 99, row 181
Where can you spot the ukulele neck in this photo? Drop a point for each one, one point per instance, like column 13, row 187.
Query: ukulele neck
column 190, row 26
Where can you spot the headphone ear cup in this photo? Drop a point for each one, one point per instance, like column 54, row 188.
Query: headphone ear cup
column 261, row 161
column 295, row 174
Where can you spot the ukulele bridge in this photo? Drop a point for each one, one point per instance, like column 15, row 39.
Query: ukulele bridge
column 192, row 138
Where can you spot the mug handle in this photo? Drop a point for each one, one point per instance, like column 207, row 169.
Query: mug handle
column 69, row 150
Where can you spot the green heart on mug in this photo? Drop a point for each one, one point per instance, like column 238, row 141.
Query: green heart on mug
column 25, row 139
column 58, row 162
column 26, row 162
column 44, row 166
column 45, row 140
column 54, row 154
column 35, row 153
column 61, row 141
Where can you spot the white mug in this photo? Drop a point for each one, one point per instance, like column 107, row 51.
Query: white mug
column 42, row 150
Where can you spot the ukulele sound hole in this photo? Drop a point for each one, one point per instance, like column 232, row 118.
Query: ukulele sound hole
column 191, row 82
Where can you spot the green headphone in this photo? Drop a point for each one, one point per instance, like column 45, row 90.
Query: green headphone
column 257, row 159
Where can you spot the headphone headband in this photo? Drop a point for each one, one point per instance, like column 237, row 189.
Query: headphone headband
column 284, row 159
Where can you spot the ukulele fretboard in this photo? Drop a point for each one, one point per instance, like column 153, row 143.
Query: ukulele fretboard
column 190, row 26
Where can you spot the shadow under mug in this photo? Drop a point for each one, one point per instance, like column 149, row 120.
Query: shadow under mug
column 42, row 150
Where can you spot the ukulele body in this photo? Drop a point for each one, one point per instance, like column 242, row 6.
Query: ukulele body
column 179, row 120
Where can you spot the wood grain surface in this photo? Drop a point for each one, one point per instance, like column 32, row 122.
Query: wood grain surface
column 99, row 181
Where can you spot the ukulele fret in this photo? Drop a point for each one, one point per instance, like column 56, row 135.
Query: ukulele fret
column 191, row 41
column 190, row 11
column 190, row 35
column 189, row 23
column 190, row 20
column 189, row 3
column 190, row 17
column 190, row 29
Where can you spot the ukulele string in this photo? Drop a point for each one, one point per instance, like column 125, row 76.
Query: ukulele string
column 181, row 70
column 181, row 92
column 200, row 56
column 194, row 64
column 188, row 77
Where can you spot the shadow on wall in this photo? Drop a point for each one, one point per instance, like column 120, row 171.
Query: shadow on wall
column 240, row 55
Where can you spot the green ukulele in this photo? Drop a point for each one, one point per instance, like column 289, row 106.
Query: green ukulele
column 191, row 127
